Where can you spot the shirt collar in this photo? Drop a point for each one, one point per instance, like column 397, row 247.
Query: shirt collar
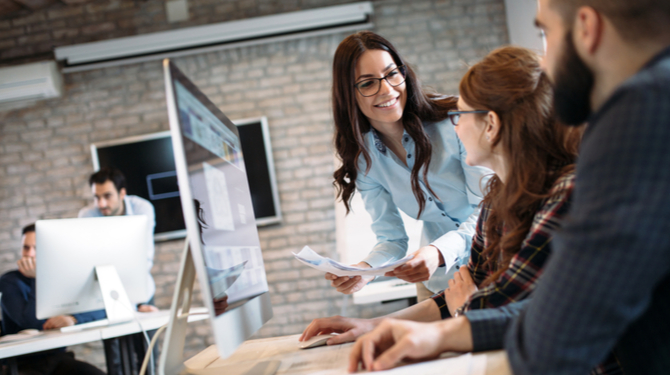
column 379, row 145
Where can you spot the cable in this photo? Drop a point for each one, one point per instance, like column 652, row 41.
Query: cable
column 160, row 330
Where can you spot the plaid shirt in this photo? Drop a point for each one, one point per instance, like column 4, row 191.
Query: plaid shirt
column 526, row 266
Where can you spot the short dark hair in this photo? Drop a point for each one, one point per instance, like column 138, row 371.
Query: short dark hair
column 108, row 174
column 633, row 19
column 28, row 228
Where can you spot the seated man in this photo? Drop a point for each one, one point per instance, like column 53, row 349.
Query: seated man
column 18, row 313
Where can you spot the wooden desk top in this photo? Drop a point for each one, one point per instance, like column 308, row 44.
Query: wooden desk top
column 333, row 360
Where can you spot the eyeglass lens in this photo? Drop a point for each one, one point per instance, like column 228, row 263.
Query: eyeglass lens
column 370, row 87
column 454, row 118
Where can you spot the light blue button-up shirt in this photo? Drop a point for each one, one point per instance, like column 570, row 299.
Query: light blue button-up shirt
column 449, row 217
column 134, row 205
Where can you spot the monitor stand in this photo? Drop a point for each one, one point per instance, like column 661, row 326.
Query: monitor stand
column 172, row 356
column 117, row 304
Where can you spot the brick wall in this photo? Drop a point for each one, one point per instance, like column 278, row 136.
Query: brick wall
column 45, row 158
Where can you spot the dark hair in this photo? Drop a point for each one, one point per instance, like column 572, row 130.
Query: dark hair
column 633, row 19
column 28, row 228
column 351, row 124
column 108, row 174
column 536, row 148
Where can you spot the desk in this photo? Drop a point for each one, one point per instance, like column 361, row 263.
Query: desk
column 56, row 339
column 333, row 360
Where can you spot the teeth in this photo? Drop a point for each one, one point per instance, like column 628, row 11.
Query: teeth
column 387, row 104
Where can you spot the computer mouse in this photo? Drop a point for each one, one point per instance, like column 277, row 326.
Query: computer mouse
column 318, row 340
column 29, row 332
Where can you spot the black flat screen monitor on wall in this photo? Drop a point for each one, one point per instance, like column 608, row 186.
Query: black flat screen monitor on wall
column 147, row 161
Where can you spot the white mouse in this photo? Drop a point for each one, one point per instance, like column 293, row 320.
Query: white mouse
column 29, row 332
column 318, row 340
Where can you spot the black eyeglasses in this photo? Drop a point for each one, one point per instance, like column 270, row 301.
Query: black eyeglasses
column 371, row 86
column 454, row 116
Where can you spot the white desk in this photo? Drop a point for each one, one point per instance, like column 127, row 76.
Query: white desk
column 333, row 360
column 56, row 339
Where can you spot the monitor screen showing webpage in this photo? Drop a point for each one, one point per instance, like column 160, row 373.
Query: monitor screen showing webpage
column 218, row 213
column 222, row 202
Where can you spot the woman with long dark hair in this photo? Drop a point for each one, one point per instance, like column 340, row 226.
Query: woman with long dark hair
column 505, row 120
column 399, row 151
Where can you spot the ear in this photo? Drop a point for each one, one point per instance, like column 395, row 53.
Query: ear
column 122, row 193
column 587, row 31
column 492, row 126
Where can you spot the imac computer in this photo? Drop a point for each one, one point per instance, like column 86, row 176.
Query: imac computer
column 222, row 238
column 91, row 264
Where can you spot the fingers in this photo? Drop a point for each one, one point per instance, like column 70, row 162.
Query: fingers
column 368, row 352
column 342, row 338
column 464, row 272
column 458, row 275
column 392, row 356
column 355, row 356
column 348, row 286
column 325, row 325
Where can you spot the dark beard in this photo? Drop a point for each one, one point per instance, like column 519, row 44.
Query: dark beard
column 573, row 84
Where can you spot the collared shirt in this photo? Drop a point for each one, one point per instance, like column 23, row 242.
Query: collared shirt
column 449, row 217
column 521, row 276
column 607, row 285
column 134, row 205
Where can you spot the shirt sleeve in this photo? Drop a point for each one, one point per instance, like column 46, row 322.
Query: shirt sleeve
column 455, row 245
column 478, row 274
column 612, row 250
column 520, row 278
column 90, row 316
column 387, row 223
column 18, row 303
column 489, row 326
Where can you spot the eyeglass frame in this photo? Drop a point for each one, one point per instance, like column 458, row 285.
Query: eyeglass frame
column 459, row 113
column 402, row 69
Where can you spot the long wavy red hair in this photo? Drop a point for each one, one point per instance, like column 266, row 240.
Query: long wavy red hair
column 536, row 148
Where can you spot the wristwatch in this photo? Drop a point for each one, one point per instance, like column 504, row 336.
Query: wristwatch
column 459, row 311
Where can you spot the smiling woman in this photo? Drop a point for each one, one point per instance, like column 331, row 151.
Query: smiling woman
column 399, row 152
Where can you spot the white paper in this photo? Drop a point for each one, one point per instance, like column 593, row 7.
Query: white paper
column 316, row 261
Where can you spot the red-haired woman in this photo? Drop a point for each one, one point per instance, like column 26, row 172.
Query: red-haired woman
column 506, row 123
column 399, row 151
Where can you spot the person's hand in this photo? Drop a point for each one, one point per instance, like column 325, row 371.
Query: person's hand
column 349, row 284
column 461, row 287
column 420, row 267
column 349, row 328
column 27, row 266
column 220, row 305
column 59, row 321
column 394, row 340
column 147, row 308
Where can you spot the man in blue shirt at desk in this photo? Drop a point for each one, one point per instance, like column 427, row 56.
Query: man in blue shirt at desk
column 18, row 313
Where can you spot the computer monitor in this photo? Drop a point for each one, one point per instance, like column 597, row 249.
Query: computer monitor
column 219, row 218
column 68, row 252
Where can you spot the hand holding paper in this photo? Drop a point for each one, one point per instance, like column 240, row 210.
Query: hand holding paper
column 316, row 261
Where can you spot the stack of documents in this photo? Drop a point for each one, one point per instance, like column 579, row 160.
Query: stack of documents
column 316, row 261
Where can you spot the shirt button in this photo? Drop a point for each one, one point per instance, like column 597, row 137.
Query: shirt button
column 443, row 214
column 458, row 225
column 409, row 156
column 406, row 139
column 430, row 199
